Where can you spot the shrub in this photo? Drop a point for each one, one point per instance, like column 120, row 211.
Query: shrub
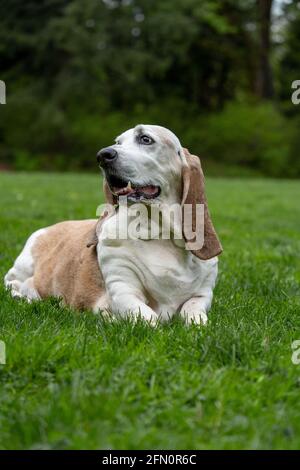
column 41, row 134
column 254, row 136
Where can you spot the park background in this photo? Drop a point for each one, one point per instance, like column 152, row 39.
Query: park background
column 218, row 73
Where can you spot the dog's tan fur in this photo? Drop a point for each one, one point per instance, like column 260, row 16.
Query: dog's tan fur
column 66, row 260
column 194, row 193
column 64, row 266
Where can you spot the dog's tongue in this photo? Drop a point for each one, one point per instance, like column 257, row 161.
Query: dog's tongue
column 124, row 191
column 148, row 190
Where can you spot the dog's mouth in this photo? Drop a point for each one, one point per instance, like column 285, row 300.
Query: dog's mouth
column 131, row 190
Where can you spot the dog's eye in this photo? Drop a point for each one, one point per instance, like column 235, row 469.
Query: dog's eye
column 146, row 140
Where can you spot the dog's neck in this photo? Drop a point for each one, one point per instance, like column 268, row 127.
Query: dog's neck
column 147, row 222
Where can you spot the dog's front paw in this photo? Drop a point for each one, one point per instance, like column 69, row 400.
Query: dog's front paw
column 193, row 312
column 196, row 318
column 145, row 314
column 150, row 318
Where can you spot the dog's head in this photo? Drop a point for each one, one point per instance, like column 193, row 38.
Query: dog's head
column 147, row 164
column 144, row 165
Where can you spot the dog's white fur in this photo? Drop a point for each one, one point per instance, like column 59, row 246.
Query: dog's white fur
column 173, row 276
column 19, row 278
column 148, row 278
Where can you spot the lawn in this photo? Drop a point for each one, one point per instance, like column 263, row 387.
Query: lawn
column 75, row 381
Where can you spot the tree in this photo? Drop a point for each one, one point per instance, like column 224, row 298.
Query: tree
column 289, row 63
column 264, row 79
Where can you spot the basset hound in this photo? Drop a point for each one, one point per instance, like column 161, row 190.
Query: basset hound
column 90, row 266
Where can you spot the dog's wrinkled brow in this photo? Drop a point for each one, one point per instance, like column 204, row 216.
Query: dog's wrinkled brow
column 169, row 142
column 166, row 139
column 139, row 130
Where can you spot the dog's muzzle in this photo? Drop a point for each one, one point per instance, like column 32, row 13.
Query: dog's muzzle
column 123, row 186
column 106, row 156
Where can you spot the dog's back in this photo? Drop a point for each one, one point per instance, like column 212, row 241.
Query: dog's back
column 57, row 262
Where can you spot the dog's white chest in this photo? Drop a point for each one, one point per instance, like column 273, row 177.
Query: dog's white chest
column 166, row 275
column 170, row 274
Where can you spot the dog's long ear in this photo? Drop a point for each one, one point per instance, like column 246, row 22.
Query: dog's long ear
column 92, row 239
column 111, row 199
column 194, row 193
column 109, row 196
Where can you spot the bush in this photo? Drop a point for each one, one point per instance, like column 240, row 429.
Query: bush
column 254, row 136
column 294, row 159
column 40, row 134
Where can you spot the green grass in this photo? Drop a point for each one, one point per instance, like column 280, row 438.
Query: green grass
column 74, row 381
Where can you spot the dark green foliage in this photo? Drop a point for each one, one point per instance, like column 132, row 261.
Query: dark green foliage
column 77, row 75
column 249, row 136
column 289, row 65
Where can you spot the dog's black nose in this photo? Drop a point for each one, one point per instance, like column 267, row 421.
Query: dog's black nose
column 106, row 155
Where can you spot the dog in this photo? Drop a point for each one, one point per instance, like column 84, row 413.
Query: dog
column 88, row 267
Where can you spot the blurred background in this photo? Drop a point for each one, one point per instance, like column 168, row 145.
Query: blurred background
column 216, row 72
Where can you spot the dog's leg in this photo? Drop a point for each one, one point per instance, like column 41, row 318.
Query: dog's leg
column 195, row 309
column 132, row 307
column 129, row 301
column 19, row 278
column 28, row 290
